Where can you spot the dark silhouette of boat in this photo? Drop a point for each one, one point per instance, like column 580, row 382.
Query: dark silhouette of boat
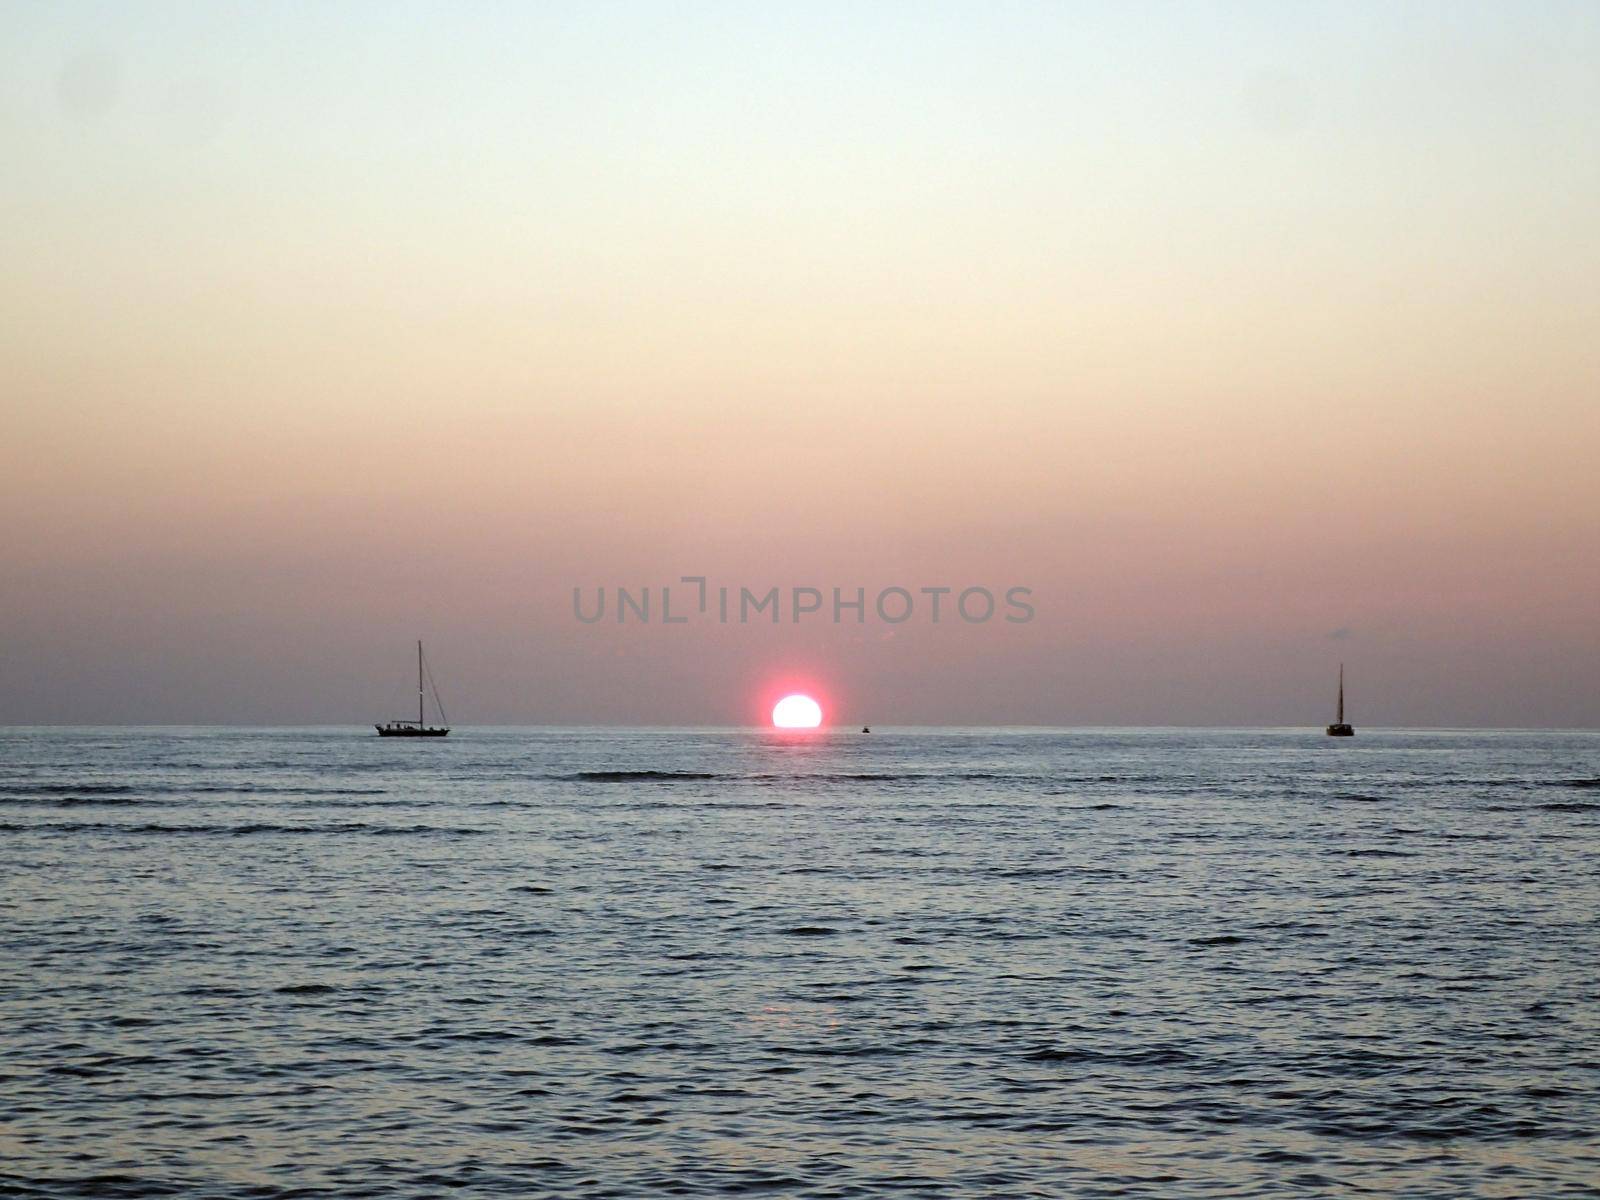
column 1340, row 728
column 420, row 727
column 864, row 729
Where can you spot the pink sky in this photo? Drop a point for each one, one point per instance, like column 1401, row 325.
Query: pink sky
column 314, row 367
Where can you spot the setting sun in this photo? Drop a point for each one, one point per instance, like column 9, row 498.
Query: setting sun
column 797, row 712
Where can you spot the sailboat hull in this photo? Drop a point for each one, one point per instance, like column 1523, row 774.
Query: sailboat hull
column 1341, row 731
column 410, row 731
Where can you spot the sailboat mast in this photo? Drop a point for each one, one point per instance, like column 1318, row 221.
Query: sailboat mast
column 1341, row 694
column 419, row 685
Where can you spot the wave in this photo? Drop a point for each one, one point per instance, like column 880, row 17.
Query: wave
column 67, row 789
column 1156, row 1057
column 638, row 776
column 660, row 776
column 66, row 801
column 347, row 827
column 1434, row 783
column 258, row 789
column 108, row 793
column 891, row 776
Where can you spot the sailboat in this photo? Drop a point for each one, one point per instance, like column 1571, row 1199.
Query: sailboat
column 420, row 727
column 1339, row 728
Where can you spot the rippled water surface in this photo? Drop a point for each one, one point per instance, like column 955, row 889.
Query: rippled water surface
column 926, row 963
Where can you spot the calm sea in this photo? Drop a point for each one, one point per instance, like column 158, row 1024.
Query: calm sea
column 638, row 963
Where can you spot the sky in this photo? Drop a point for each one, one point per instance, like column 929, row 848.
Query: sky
column 1251, row 338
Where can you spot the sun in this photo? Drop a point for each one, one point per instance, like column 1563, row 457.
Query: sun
column 796, row 712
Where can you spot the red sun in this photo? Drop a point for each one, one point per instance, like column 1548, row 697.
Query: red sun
column 796, row 712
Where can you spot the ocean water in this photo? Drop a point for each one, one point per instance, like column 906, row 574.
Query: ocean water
column 638, row 963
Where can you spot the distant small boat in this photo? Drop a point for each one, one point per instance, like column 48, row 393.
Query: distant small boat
column 419, row 727
column 864, row 729
column 1339, row 728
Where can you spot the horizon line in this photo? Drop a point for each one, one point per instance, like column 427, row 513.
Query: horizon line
column 801, row 732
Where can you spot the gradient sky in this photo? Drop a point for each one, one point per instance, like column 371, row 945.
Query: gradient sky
column 1252, row 337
